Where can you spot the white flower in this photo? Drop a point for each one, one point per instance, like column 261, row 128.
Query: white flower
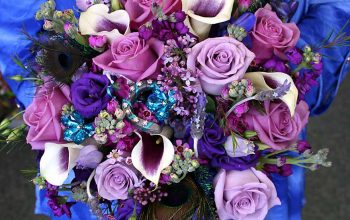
column 97, row 21
column 204, row 13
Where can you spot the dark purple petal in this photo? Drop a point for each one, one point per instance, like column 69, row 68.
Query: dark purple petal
column 152, row 152
column 208, row 8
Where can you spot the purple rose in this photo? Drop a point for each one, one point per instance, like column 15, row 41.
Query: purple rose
column 219, row 61
column 114, row 179
column 89, row 94
column 277, row 128
column 43, row 115
column 211, row 143
column 132, row 57
column 270, row 36
column 247, row 194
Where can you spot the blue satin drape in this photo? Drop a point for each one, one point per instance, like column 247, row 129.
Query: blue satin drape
column 315, row 18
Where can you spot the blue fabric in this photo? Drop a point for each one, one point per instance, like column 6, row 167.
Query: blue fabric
column 315, row 18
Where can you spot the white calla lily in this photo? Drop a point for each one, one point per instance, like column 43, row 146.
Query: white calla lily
column 57, row 161
column 263, row 81
column 152, row 154
column 204, row 13
column 97, row 20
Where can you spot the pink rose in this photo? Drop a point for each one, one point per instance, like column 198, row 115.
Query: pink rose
column 132, row 57
column 277, row 128
column 247, row 194
column 219, row 61
column 140, row 11
column 43, row 115
column 271, row 36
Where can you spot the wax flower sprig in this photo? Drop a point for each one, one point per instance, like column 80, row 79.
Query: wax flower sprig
column 307, row 159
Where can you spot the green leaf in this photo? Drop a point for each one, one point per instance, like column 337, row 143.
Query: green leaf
column 249, row 134
column 262, row 146
column 210, row 107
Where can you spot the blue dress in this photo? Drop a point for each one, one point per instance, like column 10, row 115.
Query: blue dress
column 315, row 18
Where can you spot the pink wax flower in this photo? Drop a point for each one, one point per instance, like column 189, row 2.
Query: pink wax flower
column 244, row 4
column 132, row 57
column 271, row 36
column 241, row 109
column 247, row 194
column 43, row 116
column 97, row 42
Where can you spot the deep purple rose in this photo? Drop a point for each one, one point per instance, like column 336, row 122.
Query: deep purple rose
column 211, row 143
column 89, row 94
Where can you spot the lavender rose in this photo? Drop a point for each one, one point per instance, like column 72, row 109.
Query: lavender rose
column 114, row 179
column 277, row 128
column 132, row 57
column 140, row 11
column 244, row 194
column 271, row 36
column 89, row 94
column 43, row 115
column 219, row 61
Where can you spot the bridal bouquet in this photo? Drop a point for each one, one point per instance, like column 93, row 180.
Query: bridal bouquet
column 150, row 109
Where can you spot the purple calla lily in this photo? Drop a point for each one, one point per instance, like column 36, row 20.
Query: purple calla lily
column 152, row 154
column 57, row 161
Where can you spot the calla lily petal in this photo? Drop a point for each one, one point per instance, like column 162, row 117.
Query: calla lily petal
column 97, row 21
column 204, row 13
column 263, row 81
column 57, row 161
column 151, row 155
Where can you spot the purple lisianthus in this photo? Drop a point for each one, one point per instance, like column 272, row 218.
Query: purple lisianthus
column 211, row 143
column 235, row 163
column 126, row 209
column 89, row 94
